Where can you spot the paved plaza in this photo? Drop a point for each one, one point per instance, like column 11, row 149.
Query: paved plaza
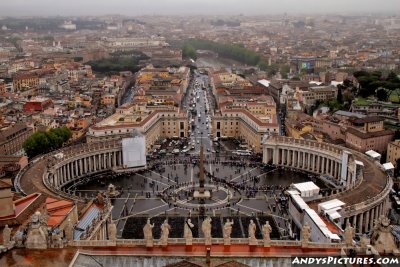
column 239, row 188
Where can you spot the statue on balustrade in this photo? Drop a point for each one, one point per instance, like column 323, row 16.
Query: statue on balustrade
column 382, row 238
column 112, row 231
column 227, row 232
column 7, row 237
column 148, row 233
column 100, row 198
column 37, row 232
column 19, row 238
column 252, row 233
column 306, row 234
column 165, row 228
column 348, row 234
column 56, row 241
column 69, row 231
column 206, row 228
column 266, row 229
column 187, row 232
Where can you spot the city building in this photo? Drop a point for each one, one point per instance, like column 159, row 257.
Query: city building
column 368, row 134
column 393, row 152
column 23, row 82
column 154, row 122
column 37, row 104
column 248, row 120
column 12, row 138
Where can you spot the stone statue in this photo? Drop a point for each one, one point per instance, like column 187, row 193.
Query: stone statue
column 165, row 228
column 306, row 234
column 148, row 233
column 348, row 234
column 187, row 232
column 69, row 231
column 252, row 233
column 206, row 228
column 227, row 232
column 100, row 198
column 364, row 241
column 111, row 191
column 112, row 231
column 37, row 233
column 7, row 236
column 266, row 229
column 56, row 241
column 382, row 238
column 19, row 238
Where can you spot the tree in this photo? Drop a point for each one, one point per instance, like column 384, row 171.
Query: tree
column 339, row 96
column 189, row 51
column 382, row 94
column 42, row 142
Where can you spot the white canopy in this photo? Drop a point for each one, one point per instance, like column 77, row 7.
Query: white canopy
column 373, row 154
column 307, row 189
column 264, row 82
column 388, row 166
column 329, row 205
column 333, row 214
column 359, row 162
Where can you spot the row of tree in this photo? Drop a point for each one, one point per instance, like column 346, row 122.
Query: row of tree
column 115, row 64
column 232, row 51
column 375, row 83
column 45, row 141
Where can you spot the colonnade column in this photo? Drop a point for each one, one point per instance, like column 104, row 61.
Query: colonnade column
column 293, row 158
column 361, row 222
column 366, row 224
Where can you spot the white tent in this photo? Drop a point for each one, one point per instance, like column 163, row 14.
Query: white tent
column 333, row 214
column 334, row 204
column 373, row 154
column 388, row 166
column 307, row 189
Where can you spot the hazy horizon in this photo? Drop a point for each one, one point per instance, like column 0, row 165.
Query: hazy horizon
column 189, row 7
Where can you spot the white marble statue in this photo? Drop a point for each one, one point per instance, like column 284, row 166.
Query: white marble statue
column 306, row 234
column 227, row 232
column 252, row 233
column 165, row 228
column 148, row 233
column 187, row 232
column 112, row 231
column 69, row 231
column 266, row 229
column 348, row 234
column 206, row 228
column 37, row 236
column 7, row 236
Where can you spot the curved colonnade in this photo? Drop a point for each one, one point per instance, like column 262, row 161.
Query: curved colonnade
column 80, row 161
column 359, row 181
column 58, row 169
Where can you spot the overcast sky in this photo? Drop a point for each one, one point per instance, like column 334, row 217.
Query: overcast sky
column 179, row 7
